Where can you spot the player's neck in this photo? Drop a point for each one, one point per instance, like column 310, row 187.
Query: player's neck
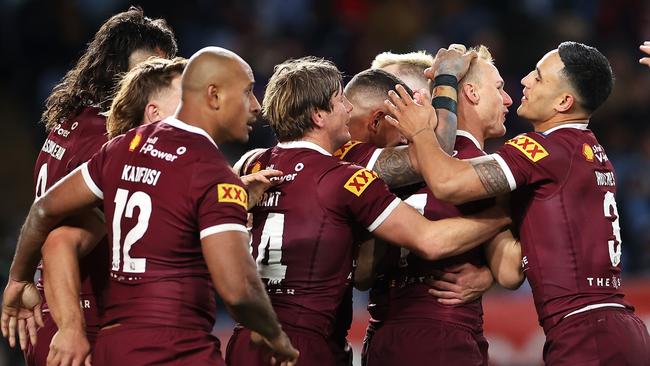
column 559, row 120
column 474, row 131
column 319, row 139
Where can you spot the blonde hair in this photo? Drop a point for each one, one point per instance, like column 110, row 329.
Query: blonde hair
column 410, row 65
column 295, row 90
column 135, row 90
column 484, row 55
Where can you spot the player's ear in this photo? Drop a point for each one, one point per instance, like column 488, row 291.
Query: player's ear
column 470, row 92
column 214, row 99
column 376, row 118
column 151, row 113
column 318, row 117
column 565, row 102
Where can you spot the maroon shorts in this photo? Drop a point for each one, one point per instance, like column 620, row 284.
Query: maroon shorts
column 37, row 355
column 605, row 336
column 314, row 349
column 156, row 345
column 373, row 325
column 426, row 342
column 342, row 351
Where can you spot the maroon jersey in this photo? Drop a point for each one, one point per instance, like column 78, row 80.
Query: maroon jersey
column 303, row 230
column 68, row 145
column 408, row 296
column 165, row 186
column 565, row 209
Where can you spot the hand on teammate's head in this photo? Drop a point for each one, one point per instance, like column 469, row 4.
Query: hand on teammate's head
column 645, row 48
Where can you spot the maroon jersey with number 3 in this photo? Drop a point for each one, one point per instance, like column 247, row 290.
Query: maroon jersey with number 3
column 565, row 208
column 165, row 186
column 68, row 145
column 303, row 230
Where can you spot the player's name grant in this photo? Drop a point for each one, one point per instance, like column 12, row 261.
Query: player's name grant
column 53, row 149
column 138, row 174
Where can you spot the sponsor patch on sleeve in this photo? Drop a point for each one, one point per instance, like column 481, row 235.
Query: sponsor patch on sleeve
column 588, row 152
column 532, row 149
column 256, row 168
column 135, row 142
column 343, row 150
column 232, row 193
column 359, row 181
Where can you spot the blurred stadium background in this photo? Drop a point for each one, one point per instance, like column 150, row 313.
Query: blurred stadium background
column 40, row 41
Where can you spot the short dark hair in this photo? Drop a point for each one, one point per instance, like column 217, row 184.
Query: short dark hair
column 589, row 73
column 376, row 81
column 93, row 79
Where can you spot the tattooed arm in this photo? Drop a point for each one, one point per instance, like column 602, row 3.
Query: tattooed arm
column 394, row 166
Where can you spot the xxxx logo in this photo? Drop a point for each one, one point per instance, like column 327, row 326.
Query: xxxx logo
column 359, row 181
column 340, row 153
column 135, row 142
column 232, row 193
column 529, row 147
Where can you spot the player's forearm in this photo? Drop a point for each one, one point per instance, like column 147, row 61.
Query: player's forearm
column 62, row 282
column 504, row 255
column 370, row 253
column 449, row 179
column 32, row 236
column 255, row 312
column 446, row 129
column 453, row 236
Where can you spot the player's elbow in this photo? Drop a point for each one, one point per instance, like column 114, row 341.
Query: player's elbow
column 448, row 191
column 430, row 249
column 510, row 281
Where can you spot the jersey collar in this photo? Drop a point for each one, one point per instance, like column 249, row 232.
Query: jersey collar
column 469, row 136
column 174, row 122
column 578, row 126
column 303, row 145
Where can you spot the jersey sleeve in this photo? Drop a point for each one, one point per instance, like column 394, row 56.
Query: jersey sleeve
column 360, row 153
column 363, row 196
column 92, row 171
column 222, row 200
column 529, row 159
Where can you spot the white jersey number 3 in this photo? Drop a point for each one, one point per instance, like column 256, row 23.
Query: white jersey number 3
column 611, row 212
column 122, row 202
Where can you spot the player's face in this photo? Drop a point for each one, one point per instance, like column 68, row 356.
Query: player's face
column 240, row 106
column 142, row 54
column 338, row 118
column 542, row 87
column 494, row 101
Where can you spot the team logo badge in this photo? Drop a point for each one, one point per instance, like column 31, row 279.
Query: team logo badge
column 256, row 168
column 135, row 142
column 359, row 181
column 343, row 150
column 232, row 193
column 588, row 152
column 529, row 147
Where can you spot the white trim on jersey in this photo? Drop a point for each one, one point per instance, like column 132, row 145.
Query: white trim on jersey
column 242, row 164
column 506, row 170
column 300, row 144
column 172, row 121
column 579, row 126
column 222, row 228
column 594, row 306
column 89, row 181
column 384, row 215
column 469, row 136
column 373, row 159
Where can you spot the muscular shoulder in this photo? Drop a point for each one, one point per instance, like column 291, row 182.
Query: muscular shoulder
column 356, row 152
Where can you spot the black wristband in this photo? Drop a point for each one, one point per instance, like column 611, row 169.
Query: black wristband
column 444, row 103
column 446, row 79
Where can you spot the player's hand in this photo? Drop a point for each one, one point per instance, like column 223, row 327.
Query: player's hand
column 410, row 115
column 21, row 311
column 69, row 347
column 257, row 183
column 283, row 353
column 454, row 60
column 645, row 48
column 460, row 284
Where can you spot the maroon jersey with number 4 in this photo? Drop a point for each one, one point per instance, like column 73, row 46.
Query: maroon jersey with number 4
column 303, row 230
column 68, row 145
column 165, row 186
column 565, row 208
